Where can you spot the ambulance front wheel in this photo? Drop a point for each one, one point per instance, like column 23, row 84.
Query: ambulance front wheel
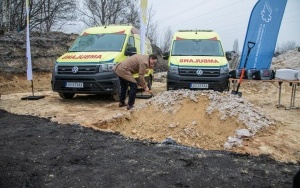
column 66, row 95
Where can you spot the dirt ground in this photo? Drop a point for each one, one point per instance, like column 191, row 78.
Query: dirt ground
column 178, row 144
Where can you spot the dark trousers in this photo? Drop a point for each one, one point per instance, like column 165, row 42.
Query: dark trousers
column 124, row 84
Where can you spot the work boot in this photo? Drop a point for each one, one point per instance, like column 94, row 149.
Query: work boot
column 129, row 107
column 121, row 104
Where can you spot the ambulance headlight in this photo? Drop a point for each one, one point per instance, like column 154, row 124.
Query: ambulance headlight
column 173, row 70
column 224, row 70
column 106, row 67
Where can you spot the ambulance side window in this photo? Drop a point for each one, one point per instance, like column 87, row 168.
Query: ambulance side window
column 130, row 42
column 130, row 49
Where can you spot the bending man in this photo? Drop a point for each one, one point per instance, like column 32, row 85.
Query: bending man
column 134, row 64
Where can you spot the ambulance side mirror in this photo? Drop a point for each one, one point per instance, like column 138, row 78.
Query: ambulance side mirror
column 228, row 56
column 166, row 55
column 130, row 51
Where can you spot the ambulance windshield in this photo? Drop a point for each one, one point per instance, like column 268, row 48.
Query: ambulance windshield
column 193, row 47
column 98, row 42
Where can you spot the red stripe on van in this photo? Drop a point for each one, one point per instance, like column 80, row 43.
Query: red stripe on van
column 178, row 38
column 121, row 32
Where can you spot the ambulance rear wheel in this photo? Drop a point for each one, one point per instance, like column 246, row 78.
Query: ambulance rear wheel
column 66, row 95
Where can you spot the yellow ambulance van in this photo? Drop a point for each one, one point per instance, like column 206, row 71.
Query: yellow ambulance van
column 86, row 68
column 197, row 61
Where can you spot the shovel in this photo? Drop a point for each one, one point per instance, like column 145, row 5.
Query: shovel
column 142, row 96
column 236, row 92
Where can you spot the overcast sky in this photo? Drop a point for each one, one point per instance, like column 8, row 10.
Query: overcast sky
column 227, row 17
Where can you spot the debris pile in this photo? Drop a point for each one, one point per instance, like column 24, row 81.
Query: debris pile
column 226, row 104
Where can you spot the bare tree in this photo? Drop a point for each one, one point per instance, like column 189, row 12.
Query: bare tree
column 234, row 54
column 44, row 14
column 48, row 13
column 14, row 14
column 103, row 12
column 286, row 46
column 166, row 43
column 236, row 46
column 151, row 30
column 132, row 14
column 5, row 15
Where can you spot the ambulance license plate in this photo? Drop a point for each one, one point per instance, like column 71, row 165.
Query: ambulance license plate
column 199, row 86
column 74, row 84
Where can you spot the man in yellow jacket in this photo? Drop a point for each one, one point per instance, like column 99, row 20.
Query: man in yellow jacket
column 134, row 64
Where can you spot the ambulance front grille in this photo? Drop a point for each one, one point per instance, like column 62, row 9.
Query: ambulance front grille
column 205, row 72
column 79, row 70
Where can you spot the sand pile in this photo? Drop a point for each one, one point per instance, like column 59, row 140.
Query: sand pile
column 204, row 119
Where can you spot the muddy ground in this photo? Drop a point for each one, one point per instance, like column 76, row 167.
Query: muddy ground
column 90, row 142
column 36, row 152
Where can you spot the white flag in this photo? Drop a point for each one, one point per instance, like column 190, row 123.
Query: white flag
column 28, row 52
column 143, row 18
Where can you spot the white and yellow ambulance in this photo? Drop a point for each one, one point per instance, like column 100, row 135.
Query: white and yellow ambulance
column 197, row 61
column 86, row 68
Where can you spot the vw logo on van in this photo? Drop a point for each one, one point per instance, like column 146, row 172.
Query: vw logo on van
column 74, row 69
column 199, row 72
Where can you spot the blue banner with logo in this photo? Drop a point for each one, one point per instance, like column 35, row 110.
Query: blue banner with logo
column 263, row 28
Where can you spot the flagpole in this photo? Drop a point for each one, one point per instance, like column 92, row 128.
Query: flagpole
column 28, row 58
column 28, row 51
column 143, row 20
column 32, row 87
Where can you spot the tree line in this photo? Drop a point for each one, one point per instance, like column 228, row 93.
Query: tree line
column 56, row 15
column 49, row 15
column 43, row 14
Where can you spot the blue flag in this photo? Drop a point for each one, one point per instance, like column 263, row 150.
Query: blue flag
column 263, row 28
